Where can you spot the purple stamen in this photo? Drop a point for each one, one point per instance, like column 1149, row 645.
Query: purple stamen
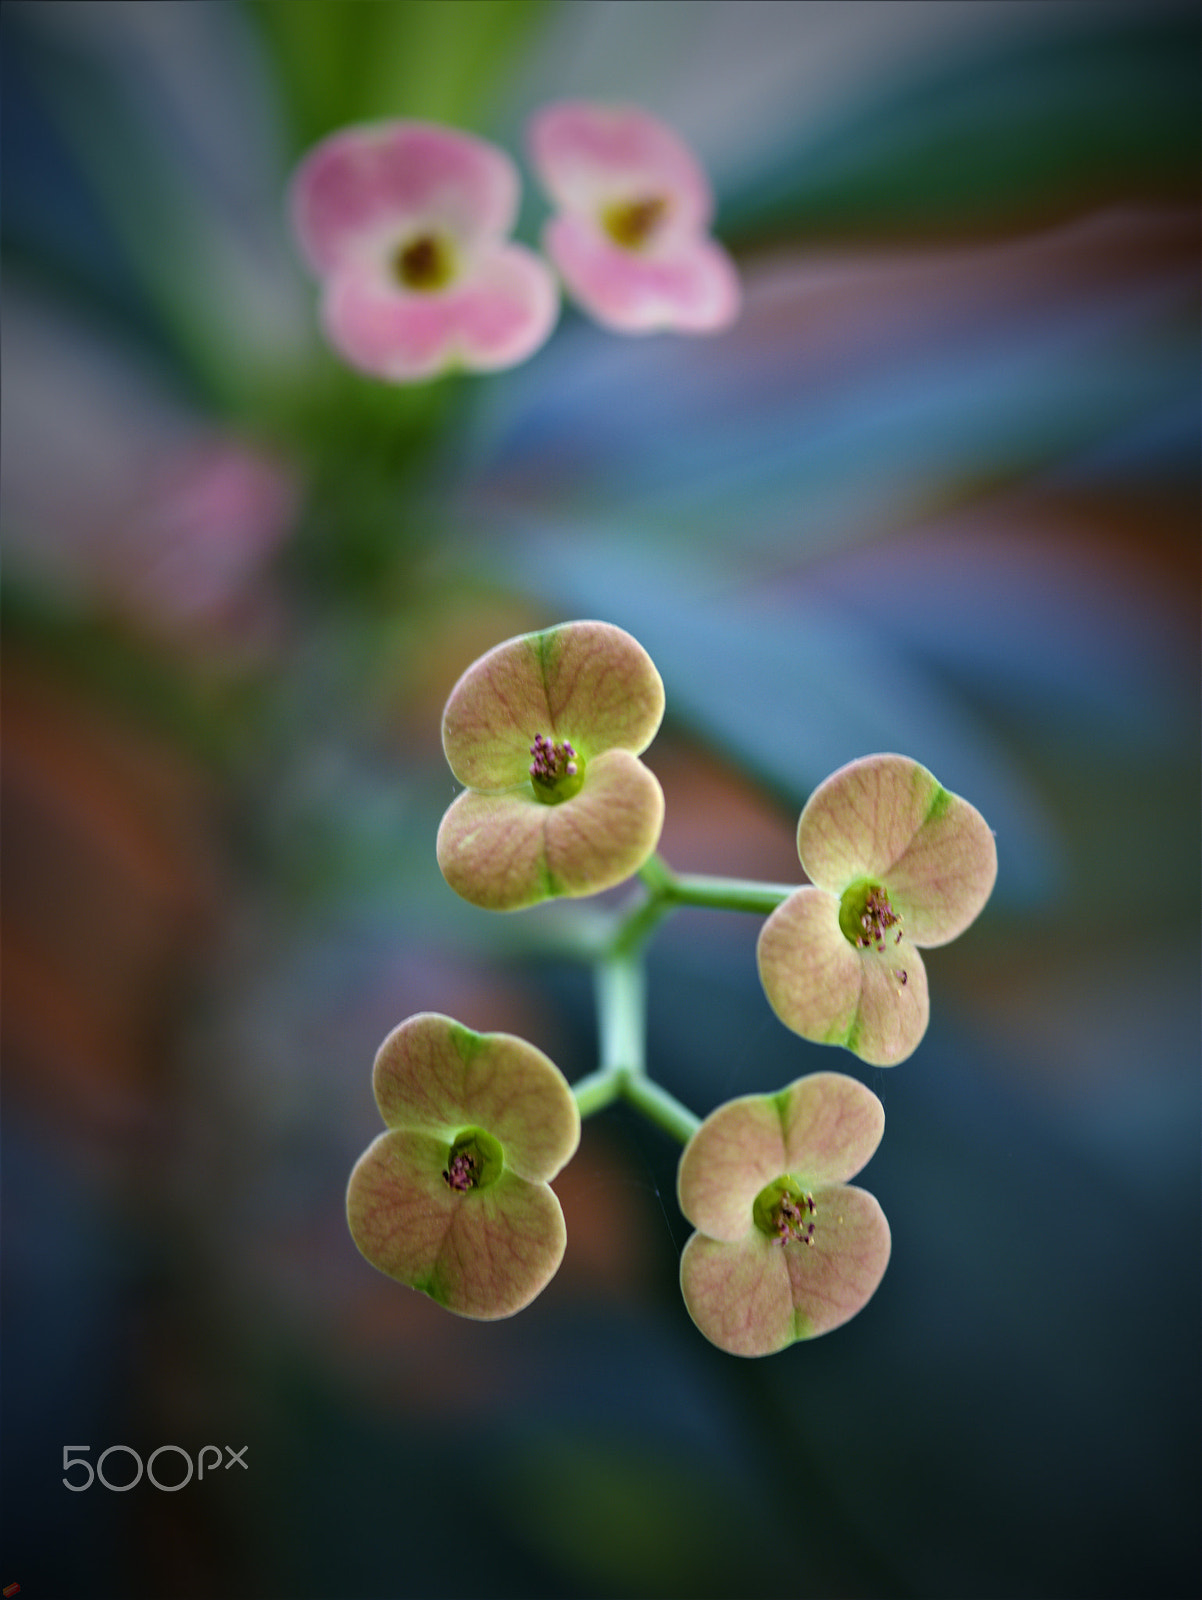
column 790, row 1220
column 461, row 1174
column 552, row 762
column 877, row 917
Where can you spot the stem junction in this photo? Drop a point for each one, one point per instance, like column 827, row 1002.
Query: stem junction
column 617, row 953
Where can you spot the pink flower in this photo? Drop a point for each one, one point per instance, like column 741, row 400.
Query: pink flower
column 631, row 239
column 407, row 225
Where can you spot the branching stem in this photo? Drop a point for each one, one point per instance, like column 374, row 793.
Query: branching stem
column 619, row 972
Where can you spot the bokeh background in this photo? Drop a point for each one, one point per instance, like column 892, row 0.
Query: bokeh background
column 937, row 491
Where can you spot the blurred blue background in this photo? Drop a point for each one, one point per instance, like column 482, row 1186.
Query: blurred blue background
column 937, row 491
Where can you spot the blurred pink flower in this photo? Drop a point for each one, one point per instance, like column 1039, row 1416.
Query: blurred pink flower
column 116, row 498
column 209, row 520
column 406, row 223
column 631, row 239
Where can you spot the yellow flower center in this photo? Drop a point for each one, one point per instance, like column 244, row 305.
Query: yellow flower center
column 631, row 223
column 425, row 263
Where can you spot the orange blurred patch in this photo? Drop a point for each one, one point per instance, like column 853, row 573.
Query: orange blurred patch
column 110, row 874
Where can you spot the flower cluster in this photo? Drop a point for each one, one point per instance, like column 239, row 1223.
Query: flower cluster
column 407, row 226
column 545, row 733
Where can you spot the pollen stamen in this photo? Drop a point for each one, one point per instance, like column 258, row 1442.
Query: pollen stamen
column 557, row 770
column 462, row 1172
column 877, row 919
column 793, row 1219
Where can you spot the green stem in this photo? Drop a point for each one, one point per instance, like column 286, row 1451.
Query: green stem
column 620, row 982
column 596, row 1091
column 719, row 894
column 658, row 1106
column 621, row 1009
column 636, row 927
column 620, row 988
column 602, row 1088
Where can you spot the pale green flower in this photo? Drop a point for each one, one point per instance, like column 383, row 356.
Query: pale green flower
column 545, row 731
column 895, row 862
column 784, row 1248
column 453, row 1199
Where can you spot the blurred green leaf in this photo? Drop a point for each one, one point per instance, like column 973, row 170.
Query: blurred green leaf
column 187, row 185
column 357, row 60
column 623, row 1520
column 1062, row 118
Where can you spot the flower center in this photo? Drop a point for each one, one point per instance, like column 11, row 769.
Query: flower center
column 475, row 1160
column 631, row 223
column 785, row 1212
column 867, row 919
column 424, row 263
column 557, row 771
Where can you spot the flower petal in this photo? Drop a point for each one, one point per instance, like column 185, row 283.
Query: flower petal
column 941, row 883
column 894, row 1007
column 862, row 819
column 689, row 283
column 587, row 155
column 508, row 851
column 753, row 1297
column 588, row 682
column 832, row 1125
column 739, row 1293
column 367, row 185
column 886, row 817
column 484, row 1254
column 435, row 1076
column 838, row 1275
column 737, row 1151
column 827, row 991
column 503, row 1248
column 495, row 317
column 507, row 311
column 820, row 1130
column 810, row 973
column 398, row 1206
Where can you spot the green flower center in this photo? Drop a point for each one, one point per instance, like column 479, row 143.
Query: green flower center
column 475, row 1160
column 425, row 263
column 631, row 223
column 785, row 1212
column 867, row 919
column 557, row 771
